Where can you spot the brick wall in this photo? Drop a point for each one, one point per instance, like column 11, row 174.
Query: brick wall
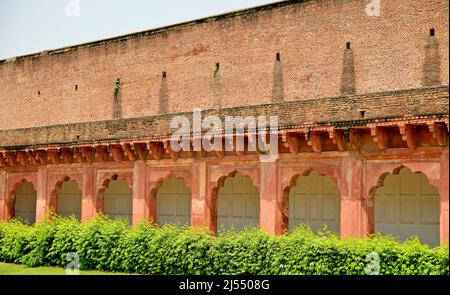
column 390, row 52
column 341, row 111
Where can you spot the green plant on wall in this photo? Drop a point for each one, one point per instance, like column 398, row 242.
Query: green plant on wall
column 116, row 86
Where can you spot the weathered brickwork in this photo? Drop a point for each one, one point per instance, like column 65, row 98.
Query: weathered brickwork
column 390, row 52
column 359, row 98
column 395, row 104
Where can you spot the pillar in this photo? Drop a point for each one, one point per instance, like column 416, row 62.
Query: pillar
column 356, row 215
column 203, row 213
column 88, row 202
column 140, row 192
column 270, row 196
column 4, row 214
column 43, row 196
column 443, row 192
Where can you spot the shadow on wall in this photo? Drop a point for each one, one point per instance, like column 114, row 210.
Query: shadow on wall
column 278, row 83
column 348, row 83
column 164, row 94
column 432, row 62
column 217, row 88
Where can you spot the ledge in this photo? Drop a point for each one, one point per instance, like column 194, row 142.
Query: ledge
column 339, row 112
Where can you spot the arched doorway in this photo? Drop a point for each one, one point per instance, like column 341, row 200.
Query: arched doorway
column 173, row 202
column 237, row 203
column 25, row 203
column 315, row 201
column 118, row 200
column 406, row 205
column 69, row 199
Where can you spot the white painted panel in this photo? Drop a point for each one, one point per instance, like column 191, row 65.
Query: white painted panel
column 329, row 208
column 69, row 199
column 328, row 186
column 173, row 202
column 252, row 207
column 390, row 212
column 238, row 203
column 315, row 201
column 428, row 209
column 238, row 207
column 413, row 210
column 408, row 210
column 390, row 186
column 118, row 200
column 25, row 203
column 425, row 188
column 300, row 207
column 315, row 208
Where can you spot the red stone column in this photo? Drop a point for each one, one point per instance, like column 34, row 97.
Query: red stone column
column 443, row 192
column 43, row 195
column 203, row 213
column 356, row 214
column 140, row 192
column 4, row 214
column 88, row 203
column 271, row 217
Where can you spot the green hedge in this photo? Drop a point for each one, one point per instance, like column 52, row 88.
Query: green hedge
column 113, row 246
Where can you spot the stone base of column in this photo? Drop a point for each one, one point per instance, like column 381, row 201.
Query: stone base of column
column 140, row 192
column 443, row 191
column 43, row 198
column 355, row 215
column 4, row 214
column 202, row 208
column 271, row 218
column 88, row 203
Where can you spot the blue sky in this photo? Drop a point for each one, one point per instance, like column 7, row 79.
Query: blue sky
column 28, row 26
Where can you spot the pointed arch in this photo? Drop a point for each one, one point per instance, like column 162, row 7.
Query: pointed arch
column 312, row 197
column 66, row 197
column 115, row 197
column 235, row 202
column 23, row 199
column 156, row 184
column 405, row 203
column 173, row 200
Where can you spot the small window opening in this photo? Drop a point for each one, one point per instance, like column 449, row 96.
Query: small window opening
column 348, row 45
column 362, row 114
column 76, row 87
column 164, row 74
column 278, row 56
column 432, row 32
column 39, row 92
column 217, row 66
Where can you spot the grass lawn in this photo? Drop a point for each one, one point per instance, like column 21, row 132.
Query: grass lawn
column 17, row 269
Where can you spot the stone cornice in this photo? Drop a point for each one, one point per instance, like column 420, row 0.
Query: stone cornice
column 412, row 105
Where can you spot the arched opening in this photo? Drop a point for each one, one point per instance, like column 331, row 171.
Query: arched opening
column 25, row 203
column 406, row 205
column 173, row 202
column 69, row 199
column 314, row 200
column 237, row 203
column 118, row 200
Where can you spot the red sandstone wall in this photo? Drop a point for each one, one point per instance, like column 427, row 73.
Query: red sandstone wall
column 389, row 53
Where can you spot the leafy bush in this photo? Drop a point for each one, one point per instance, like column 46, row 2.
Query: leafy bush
column 148, row 249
